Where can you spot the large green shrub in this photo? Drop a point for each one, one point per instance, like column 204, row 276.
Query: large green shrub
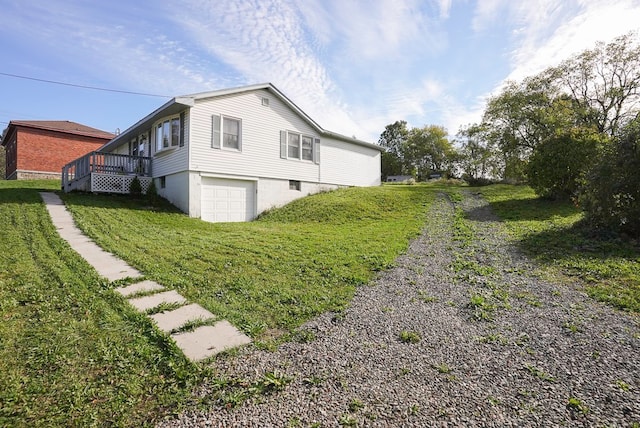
column 611, row 196
column 558, row 164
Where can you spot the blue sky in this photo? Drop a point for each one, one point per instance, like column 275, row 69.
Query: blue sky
column 353, row 66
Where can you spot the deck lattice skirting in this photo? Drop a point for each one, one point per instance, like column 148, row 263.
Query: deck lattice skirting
column 116, row 183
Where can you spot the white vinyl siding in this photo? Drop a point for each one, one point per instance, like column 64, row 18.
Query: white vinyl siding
column 260, row 130
column 349, row 164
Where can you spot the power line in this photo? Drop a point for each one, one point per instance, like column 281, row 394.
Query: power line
column 83, row 86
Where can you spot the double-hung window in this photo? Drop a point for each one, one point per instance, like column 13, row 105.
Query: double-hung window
column 168, row 134
column 294, row 145
column 226, row 133
column 307, row 148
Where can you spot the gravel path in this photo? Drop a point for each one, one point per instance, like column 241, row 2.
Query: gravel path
column 498, row 346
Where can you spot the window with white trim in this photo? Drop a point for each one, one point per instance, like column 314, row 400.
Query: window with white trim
column 294, row 145
column 167, row 133
column 226, row 132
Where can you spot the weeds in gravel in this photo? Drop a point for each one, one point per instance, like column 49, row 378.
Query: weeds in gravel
column 540, row 374
column 576, row 405
column 426, row 297
column 442, row 368
column 273, row 381
column 347, row 420
column 407, row 336
column 572, row 327
column 494, row 338
column 314, row 380
column 231, row 393
column 403, row 372
column 303, row 336
column 528, row 298
column 482, row 308
column 624, row 386
column 355, row 405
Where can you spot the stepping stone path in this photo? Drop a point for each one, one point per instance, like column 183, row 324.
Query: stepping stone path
column 148, row 296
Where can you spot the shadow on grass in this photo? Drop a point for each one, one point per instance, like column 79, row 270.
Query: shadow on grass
column 578, row 242
column 606, row 263
column 118, row 201
column 26, row 191
column 528, row 209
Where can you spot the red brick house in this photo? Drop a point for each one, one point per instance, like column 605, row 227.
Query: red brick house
column 40, row 148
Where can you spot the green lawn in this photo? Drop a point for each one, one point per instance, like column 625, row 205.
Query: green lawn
column 552, row 233
column 74, row 353
column 270, row 275
column 71, row 352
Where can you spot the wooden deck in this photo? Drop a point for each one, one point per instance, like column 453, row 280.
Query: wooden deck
column 106, row 173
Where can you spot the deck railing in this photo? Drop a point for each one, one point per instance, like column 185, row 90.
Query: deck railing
column 104, row 163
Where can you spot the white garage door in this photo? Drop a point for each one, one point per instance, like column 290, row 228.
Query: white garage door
column 227, row 200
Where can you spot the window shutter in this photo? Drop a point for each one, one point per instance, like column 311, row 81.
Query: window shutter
column 316, row 150
column 215, row 131
column 182, row 129
column 283, row 144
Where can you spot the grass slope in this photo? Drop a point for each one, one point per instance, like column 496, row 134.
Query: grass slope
column 268, row 276
column 552, row 233
column 71, row 352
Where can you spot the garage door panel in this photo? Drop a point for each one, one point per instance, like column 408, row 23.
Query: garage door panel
column 225, row 200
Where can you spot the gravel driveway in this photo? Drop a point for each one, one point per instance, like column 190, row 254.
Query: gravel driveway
column 496, row 346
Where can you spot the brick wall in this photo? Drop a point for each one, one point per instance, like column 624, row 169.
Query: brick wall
column 48, row 151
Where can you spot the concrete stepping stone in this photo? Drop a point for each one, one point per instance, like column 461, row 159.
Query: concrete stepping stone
column 208, row 340
column 139, row 287
column 201, row 343
column 171, row 320
column 106, row 264
column 149, row 302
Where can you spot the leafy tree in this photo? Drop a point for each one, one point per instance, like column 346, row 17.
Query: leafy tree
column 611, row 197
column 558, row 166
column 604, row 81
column 598, row 88
column 393, row 139
column 428, row 151
column 476, row 158
column 390, row 164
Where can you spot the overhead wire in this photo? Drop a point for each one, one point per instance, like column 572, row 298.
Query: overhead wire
column 95, row 88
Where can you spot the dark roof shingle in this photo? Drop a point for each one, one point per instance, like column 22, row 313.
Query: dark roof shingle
column 63, row 126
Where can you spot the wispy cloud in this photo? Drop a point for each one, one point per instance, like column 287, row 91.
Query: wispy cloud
column 545, row 32
column 108, row 46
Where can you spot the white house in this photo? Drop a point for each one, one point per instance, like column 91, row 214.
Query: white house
column 228, row 155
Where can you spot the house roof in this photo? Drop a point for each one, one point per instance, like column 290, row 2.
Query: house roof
column 178, row 104
column 63, row 126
